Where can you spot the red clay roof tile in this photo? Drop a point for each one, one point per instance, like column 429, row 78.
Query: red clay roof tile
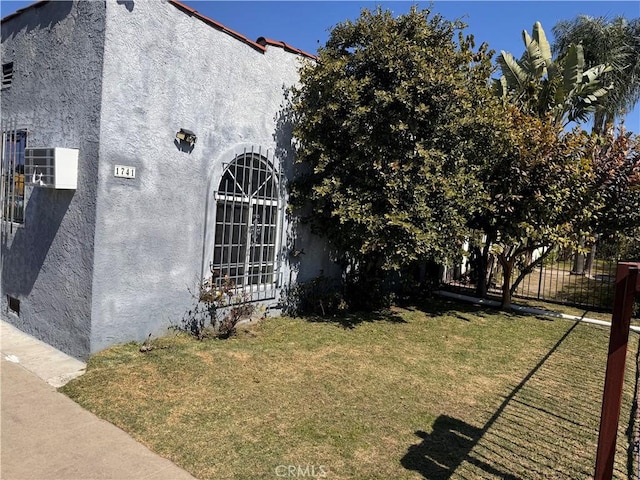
column 217, row 25
column 267, row 41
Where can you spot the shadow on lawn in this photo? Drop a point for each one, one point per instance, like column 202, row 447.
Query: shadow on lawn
column 352, row 320
column 439, row 306
column 442, row 451
column 433, row 307
column 452, row 440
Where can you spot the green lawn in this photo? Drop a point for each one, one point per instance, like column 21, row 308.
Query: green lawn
column 450, row 391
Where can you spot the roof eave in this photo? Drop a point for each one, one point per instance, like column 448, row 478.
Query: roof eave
column 217, row 25
column 288, row 48
column 260, row 44
column 22, row 10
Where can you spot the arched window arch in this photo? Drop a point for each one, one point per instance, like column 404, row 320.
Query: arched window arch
column 248, row 223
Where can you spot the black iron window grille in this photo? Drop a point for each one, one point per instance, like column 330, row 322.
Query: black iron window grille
column 248, row 225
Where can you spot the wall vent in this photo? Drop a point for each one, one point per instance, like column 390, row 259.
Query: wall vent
column 14, row 304
column 7, row 74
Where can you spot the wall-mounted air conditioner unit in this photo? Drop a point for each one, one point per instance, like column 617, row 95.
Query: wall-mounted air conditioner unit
column 51, row 167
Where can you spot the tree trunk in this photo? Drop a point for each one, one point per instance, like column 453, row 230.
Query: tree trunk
column 507, row 271
column 482, row 266
column 578, row 261
column 481, row 272
column 529, row 268
column 591, row 257
column 599, row 122
column 506, row 290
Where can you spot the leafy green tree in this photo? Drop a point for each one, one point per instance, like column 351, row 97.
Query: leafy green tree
column 614, row 42
column 546, row 179
column 614, row 191
column 616, row 184
column 534, row 195
column 389, row 123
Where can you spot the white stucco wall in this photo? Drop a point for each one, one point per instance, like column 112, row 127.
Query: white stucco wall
column 165, row 70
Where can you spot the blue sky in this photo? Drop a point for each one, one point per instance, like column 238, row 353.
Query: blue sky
column 306, row 24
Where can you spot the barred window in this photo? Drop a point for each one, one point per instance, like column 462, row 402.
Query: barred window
column 14, row 143
column 247, row 224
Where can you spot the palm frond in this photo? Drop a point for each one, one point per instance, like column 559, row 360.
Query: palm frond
column 512, row 70
column 540, row 37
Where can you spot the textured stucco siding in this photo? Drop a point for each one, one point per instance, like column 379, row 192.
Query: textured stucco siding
column 47, row 263
column 165, row 70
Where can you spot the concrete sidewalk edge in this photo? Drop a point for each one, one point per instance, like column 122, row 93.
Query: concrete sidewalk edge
column 50, row 364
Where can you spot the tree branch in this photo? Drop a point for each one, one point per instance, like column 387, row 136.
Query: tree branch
column 528, row 269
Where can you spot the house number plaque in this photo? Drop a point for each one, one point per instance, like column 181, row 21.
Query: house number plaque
column 123, row 171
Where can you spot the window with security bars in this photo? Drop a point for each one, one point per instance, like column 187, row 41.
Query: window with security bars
column 14, row 143
column 247, row 220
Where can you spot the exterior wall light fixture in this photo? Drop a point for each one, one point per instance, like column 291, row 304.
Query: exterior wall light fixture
column 186, row 136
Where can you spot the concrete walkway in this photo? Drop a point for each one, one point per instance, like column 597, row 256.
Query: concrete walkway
column 45, row 435
column 530, row 310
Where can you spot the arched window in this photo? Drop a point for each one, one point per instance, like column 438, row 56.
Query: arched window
column 247, row 221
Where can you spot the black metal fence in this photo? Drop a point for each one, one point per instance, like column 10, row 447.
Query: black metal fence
column 583, row 280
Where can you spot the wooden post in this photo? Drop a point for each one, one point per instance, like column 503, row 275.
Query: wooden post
column 627, row 284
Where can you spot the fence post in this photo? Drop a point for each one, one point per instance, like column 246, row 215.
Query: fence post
column 627, row 284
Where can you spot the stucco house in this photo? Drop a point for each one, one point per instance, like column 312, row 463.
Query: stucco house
column 142, row 149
